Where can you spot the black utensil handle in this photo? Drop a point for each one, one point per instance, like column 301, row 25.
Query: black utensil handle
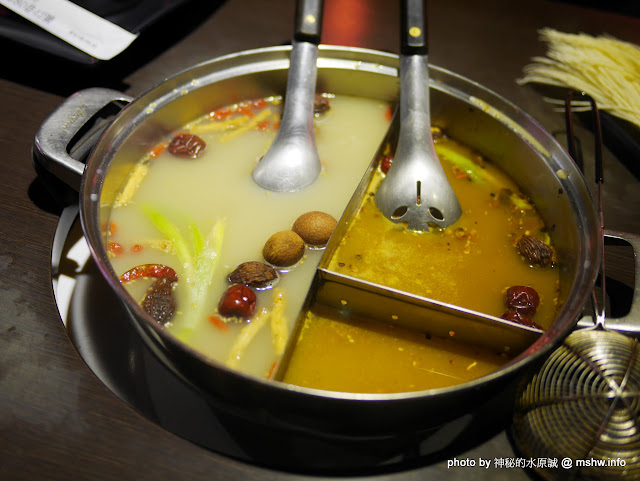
column 309, row 21
column 414, row 28
column 597, row 133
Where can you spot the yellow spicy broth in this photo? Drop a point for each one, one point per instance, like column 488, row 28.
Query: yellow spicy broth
column 217, row 189
column 470, row 263
column 356, row 355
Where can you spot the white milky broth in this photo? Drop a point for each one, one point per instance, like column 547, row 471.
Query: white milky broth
column 218, row 185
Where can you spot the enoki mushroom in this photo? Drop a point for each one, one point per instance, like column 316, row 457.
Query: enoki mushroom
column 606, row 68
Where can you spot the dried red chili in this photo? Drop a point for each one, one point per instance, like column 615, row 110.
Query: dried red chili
column 221, row 114
column 259, row 104
column 218, row 323
column 110, row 228
column 159, row 302
column 186, row 145
column 272, row 370
column 245, row 110
column 115, row 248
column 158, row 150
column 264, row 125
column 158, row 271
column 388, row 114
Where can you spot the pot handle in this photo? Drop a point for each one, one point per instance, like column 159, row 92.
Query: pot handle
column 630, row 323
column 84, row 115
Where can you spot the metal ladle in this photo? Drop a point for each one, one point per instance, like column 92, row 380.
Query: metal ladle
column 292, row 161
column 584, row 401
column 416, row 190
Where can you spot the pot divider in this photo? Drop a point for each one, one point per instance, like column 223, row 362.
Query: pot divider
column 351, row 297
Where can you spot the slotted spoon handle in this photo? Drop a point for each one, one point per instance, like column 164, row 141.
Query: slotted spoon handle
column 416, row 190
column 413, row 28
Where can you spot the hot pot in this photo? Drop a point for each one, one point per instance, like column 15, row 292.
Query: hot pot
column 464, row 109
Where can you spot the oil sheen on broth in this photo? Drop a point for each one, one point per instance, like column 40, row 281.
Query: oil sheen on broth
column 469, row 264
column 351, row 354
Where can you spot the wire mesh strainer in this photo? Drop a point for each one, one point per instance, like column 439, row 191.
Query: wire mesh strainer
column 581, row 410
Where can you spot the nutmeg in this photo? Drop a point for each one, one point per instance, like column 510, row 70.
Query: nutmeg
column 535, row 251
column 160, row 302
column 315, row 227
column 253, row 274
column 320, row 104
column 283, row 249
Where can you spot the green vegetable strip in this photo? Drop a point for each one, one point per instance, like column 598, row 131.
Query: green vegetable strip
column 196, row 238
column 173, row 234
column 205, row 266
column 199, row 259
column 476, row 172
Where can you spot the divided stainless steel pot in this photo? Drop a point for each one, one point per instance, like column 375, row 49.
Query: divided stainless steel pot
column 464, row 109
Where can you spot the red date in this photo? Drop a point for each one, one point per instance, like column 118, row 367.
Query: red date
column 516, row 316
column 238, row 301
column 385, row 163
column 523, row 299
column 186, row 145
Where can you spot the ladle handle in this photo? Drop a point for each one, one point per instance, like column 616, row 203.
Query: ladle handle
column 413, row 29
column 308, row 24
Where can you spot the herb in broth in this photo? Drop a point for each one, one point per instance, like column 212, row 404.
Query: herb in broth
column 498, row 246
column 159, row 301
column 240, row 308
column 495, row 259
column 238, row 289
column 199, row 257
